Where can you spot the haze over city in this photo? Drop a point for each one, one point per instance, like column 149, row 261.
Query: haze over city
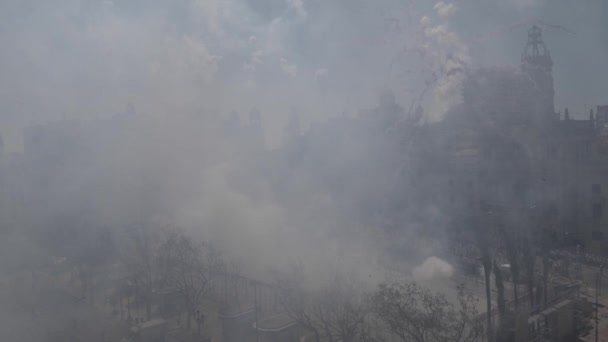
column 303, row 170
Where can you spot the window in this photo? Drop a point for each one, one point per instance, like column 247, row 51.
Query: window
column 596, row 189
column 597, row 211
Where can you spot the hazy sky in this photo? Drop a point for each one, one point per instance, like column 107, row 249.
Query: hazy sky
column 88, row 58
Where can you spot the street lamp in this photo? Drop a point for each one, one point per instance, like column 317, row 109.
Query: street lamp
column 597, row 291
column 255, row 308
column 601, row 274
column 199, row 317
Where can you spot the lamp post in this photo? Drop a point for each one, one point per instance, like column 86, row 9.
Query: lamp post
column 255, row 308
column 598, row 292
column 199, row 317
column 597, row 282
column 601, row 274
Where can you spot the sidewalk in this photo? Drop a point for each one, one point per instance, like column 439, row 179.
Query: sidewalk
column 589, row 293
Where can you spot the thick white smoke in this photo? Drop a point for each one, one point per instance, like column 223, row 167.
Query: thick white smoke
column 433, row 269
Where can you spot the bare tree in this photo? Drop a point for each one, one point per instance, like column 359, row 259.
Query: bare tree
column 141, row 263
column 415, row 314
column 88, row 255
column 334, row 313
column 296, row 303
column 188, row 268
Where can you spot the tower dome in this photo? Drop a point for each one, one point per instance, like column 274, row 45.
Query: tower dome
column 536, row 62
column 536, row 52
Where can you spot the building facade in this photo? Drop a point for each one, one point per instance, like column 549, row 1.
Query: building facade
column 508, row 151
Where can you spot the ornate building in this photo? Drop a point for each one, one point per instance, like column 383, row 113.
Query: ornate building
column 510, row 152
